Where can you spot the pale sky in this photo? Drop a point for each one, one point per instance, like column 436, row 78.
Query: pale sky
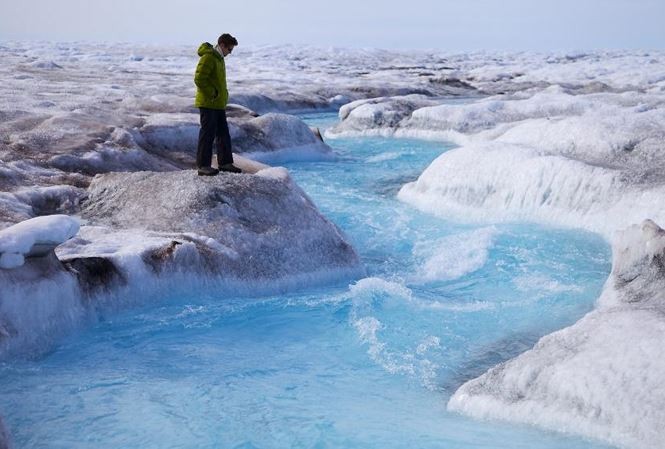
column 449, row 25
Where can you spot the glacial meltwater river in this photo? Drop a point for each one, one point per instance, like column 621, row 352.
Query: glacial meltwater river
column 365, row 363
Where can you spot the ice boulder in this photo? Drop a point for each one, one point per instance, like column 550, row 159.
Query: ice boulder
column 174, row 136
column 254, row 227
column 279, row 99
column 34, row 237
column 274, row 138
column 378, row 114
column 601, row 377
column 153, row 234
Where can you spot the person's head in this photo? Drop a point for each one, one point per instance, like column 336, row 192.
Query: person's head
column 226, row 43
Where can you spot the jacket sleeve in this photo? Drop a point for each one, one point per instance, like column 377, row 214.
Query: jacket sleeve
column 202, row 77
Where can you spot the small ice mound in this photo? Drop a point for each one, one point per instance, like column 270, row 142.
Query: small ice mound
column 601, row 377
column 338, row 100
column 378, row 113
column 111, row 158
column 170, row 132
column 46, row 65
column 456, row 255
column 275, row 131
column 490, row 112
column 158, row 104
column 271, row 138
column 278, row 173
column 34, row 237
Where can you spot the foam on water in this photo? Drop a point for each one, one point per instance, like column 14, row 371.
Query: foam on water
column 371, row 364
column 454, row 256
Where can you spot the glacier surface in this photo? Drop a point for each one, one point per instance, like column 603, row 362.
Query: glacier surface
column 573, row 139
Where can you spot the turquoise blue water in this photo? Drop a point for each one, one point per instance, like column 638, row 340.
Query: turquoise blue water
column 365, row 363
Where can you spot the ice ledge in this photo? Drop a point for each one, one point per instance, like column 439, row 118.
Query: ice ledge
column 601, row 377
column 151, row 234
column 35, row 237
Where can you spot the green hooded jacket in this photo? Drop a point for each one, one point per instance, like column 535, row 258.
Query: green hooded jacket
column 210, row 79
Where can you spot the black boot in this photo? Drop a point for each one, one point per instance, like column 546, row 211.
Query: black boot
column 207, row 171
column 230, row 168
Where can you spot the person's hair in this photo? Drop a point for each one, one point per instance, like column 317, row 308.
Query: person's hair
column 227, row 40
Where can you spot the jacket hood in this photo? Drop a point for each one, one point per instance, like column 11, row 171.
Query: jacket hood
column 205, row 48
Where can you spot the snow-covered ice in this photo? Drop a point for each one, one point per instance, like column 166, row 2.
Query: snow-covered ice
column 34, row 237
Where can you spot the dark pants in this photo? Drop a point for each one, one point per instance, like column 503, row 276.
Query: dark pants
column 213, row 125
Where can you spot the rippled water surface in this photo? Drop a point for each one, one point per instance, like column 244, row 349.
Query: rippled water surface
column 368, row 363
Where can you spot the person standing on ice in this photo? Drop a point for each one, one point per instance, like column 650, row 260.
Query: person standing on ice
column 211, row 99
